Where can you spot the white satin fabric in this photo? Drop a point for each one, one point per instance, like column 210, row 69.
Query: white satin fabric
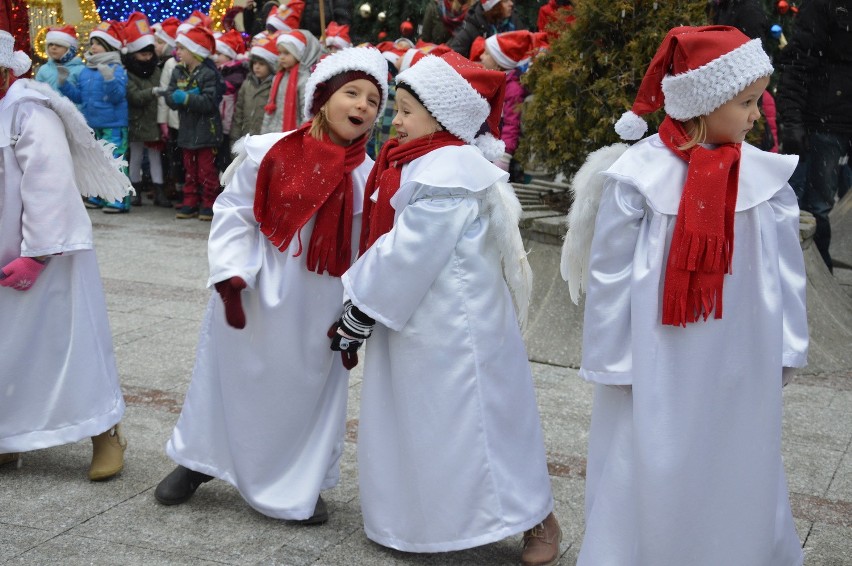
column 58, row 379
column 686, row 468
column 450, row 448
column 266, row 407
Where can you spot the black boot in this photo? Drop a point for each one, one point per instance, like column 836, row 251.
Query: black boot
column 136, row 200
column 320, row 515
column 178, row 486
column 160, row 198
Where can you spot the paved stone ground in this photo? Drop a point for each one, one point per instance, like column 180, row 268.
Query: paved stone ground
column 154, row 271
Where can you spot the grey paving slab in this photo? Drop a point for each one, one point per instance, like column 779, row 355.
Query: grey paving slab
column 155, row 273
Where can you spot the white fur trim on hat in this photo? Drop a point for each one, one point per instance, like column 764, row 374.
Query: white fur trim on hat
column 110, row 40
column 140, row 43
column 366, row 59
column 455, row 104
column 293, row 44
column 491, row 147
column 58, row 37
column 17, row 61
column 265, row 54
column 336, row 41
column 505, row 62
column 701, row 91
column 488, row 4
column 631, row 126
column 195, row 48
column 225, row 49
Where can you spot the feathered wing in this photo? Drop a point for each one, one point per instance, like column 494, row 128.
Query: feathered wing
column 586, row 188
column 97, row 171
column 504, row 212
column 240, row 153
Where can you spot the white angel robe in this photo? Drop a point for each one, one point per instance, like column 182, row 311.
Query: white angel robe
column 686, row 468
column 266, row 407
column 58, row 378
column 450, row 448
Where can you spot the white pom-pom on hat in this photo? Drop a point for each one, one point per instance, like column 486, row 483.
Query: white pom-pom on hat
column 491, row 147
column 631, row 126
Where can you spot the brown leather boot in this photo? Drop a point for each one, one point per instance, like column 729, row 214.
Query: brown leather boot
column 541, row 543
column 107, row 454
column 12, row 457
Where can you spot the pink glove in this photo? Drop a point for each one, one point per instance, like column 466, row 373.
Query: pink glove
column 20, row 274
column 164, row 132
column 229, row 290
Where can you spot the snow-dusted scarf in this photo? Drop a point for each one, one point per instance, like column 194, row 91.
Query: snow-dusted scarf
column 703, row 241
column 299, row 177
column 386, row 175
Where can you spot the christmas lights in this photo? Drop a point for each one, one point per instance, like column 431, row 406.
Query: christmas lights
column 156, row 10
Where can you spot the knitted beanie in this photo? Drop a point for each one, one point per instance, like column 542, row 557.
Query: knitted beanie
column 695, row 71
column 366, row 59
column 462, row 96
column 17, row 61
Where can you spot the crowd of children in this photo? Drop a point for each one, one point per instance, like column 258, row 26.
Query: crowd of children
column 315, row 249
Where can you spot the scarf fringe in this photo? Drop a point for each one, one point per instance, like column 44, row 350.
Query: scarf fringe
column 686, row 306
column 703, row 253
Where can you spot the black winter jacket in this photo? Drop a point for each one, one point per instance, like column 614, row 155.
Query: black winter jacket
column 200, row 121
column 475, row 25
column 339, row 11
column 747, row 16
column 815, row 89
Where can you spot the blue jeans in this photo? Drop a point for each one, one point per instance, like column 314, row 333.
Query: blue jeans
column 816, row 180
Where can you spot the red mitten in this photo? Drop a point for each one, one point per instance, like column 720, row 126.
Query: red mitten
column 229, row 290
column 21, row 273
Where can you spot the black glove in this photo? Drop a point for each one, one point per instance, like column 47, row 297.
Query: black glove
column 349, row 332
column 793, row 139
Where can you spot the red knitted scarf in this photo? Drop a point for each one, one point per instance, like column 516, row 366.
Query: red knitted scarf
column 291, row 98
column 300, row 177
column 703, row 241
column 377, row 218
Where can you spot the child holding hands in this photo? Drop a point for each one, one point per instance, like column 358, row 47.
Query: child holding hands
column 684, row 461
column 266, row 408
column 450, row 448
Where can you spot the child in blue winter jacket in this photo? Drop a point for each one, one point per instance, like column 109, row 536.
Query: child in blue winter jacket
column 61, row 44
column 101, row 91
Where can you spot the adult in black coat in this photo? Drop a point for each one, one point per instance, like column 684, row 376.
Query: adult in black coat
column 482, row 23
column 815, row 106
column 748, row 16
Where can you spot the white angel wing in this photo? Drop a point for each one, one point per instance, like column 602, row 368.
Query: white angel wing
column 97, row 171
column 240, row 153
column 504, row 212
column 586, row 188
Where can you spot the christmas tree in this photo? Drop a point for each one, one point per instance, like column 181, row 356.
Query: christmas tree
column 381, row 20
column 590, row 76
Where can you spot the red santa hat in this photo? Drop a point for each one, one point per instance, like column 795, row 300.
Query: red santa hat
column 367, row 60
column 287, row 16
column 199, row 40
column 337, row 36
column 231, row 43
column 488, row 4
column 137, row 33
column 196, row 18
column 16, row 61
column 66, row 36
column 295, row 42
column 510, row 49
column 412, row 56
column 477, row 48
column 462, row 96
column 167, row 30
column 695, row 71
column 110, row 32
column 266, row 49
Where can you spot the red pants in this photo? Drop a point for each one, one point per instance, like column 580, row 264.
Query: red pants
column 202, row 178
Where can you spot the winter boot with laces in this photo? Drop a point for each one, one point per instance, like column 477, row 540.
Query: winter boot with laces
column 541, row 543
column 107, row 454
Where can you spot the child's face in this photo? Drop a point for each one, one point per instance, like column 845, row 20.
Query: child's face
column 351, row 111
column 184, row 55
column 412, row 120
column 732, row 121
column 221, row 58
column 286, row 60
column 143, row 56
column 488, row 61
column 260, row 69
column 160, row 46
column 332, row 48
column 95, row 47
column 506, row 7
column 56, row 52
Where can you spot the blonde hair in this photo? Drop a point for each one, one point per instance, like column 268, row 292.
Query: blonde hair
column 696, row 129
